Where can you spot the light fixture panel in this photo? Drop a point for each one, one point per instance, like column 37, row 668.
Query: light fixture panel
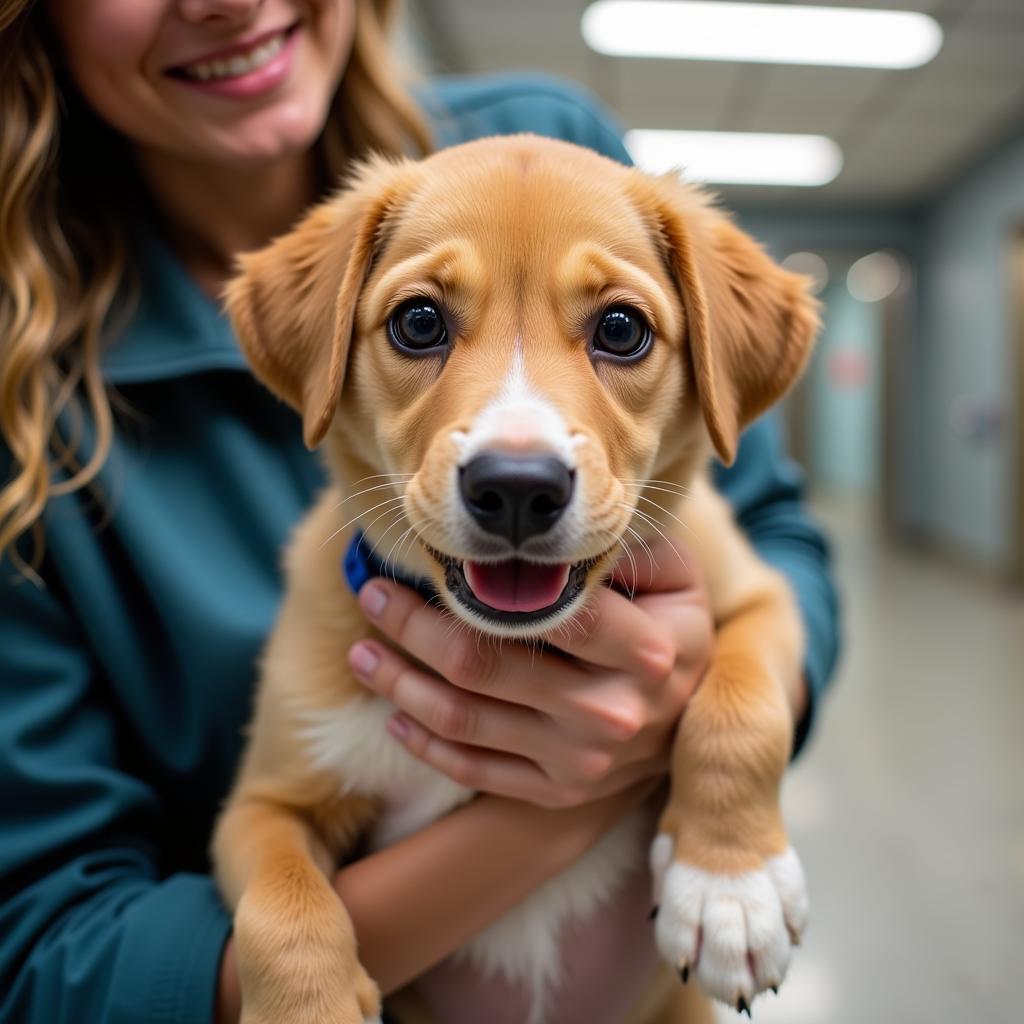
column 761, row 33
column 738, row 158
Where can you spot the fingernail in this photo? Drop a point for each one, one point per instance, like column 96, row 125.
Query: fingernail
column 373, row 599
column 398, row 727
column 364, row 661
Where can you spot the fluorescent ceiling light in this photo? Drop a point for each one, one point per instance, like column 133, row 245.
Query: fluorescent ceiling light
column 771, row 33
column 738, row 158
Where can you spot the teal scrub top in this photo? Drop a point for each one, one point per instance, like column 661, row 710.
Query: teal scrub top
column 126, row 681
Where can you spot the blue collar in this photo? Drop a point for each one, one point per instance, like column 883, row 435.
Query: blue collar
column 362, row 564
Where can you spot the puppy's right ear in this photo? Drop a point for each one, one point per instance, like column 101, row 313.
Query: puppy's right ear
column 293, row 303
column 750, row 324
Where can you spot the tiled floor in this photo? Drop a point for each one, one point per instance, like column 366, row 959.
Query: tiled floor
column 908, row 810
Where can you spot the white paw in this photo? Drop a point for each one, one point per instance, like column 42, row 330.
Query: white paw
column 734, row 933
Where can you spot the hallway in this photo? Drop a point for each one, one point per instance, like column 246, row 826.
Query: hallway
column 908, row 808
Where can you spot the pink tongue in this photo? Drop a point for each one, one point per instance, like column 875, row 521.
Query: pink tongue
column 516, row 586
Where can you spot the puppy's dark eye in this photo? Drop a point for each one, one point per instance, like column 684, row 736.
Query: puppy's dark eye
column 622, row 332
column 418, row 326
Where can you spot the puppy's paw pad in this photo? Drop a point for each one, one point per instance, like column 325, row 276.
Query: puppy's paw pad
column 733, row 932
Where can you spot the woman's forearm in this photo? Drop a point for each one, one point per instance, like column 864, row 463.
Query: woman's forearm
column 416, row 902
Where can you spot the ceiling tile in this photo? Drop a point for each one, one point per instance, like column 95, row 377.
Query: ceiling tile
column 666, row 94
column 973, row 51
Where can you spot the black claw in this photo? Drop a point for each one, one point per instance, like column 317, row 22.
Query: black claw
column 654, row 913
column 684, row 973
column 775, row 989
column 741, row 1006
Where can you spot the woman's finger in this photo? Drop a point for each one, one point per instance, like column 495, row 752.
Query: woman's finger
column 515, row 777
column 658, row 566
column 448, row 712
column 613, row 632
column 488, row 771
column 511, row 673
column 617, row 632
column 473, row 721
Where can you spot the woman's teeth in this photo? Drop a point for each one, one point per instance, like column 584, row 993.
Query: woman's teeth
column 240, row 64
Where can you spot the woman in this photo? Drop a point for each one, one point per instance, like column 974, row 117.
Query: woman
column 141, row 145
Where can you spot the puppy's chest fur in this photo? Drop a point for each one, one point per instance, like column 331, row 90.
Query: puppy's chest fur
column 351, row 742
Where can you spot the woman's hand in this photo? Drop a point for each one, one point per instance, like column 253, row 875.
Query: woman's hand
column 505, row 719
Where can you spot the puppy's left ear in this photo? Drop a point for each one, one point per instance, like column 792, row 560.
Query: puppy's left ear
column 751, row 325
column 293, row 303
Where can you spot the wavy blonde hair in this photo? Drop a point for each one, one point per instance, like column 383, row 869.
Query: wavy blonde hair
column 63, row 251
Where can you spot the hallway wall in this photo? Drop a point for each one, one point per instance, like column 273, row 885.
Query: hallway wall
column 954, row 420
column 969, row 373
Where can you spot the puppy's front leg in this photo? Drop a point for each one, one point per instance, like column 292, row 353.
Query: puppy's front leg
column 295, row 946
column 729, row 887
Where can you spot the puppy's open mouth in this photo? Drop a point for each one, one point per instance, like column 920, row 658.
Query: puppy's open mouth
column 516, row 591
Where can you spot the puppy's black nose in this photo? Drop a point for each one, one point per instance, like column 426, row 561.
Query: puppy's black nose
column 515, row 496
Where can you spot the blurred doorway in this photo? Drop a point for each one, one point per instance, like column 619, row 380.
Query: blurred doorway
column 846, row 420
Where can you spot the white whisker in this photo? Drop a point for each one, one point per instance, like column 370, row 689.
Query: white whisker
column 383, row 476
column 380, row 540
column 632, row 564
column 643, row 543
column 354, row 519
column 625, row 548
column 386, row 512
column 666, row 485
column 661, row 508
column 366, row 490
column 392, row 551
column 645, row 518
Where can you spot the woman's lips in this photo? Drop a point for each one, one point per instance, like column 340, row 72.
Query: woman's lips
column 242, row 73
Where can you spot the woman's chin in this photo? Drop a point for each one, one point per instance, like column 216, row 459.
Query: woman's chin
column 267, row 138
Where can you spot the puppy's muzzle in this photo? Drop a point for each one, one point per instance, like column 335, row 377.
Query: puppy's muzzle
column 515, row 496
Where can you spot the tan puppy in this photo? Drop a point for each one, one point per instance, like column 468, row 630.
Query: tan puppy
column 518, row 331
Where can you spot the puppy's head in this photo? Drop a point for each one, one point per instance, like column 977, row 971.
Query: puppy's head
column 505, row 346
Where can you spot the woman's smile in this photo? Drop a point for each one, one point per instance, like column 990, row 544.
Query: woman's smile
column 215, row 84
column 245, row 70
